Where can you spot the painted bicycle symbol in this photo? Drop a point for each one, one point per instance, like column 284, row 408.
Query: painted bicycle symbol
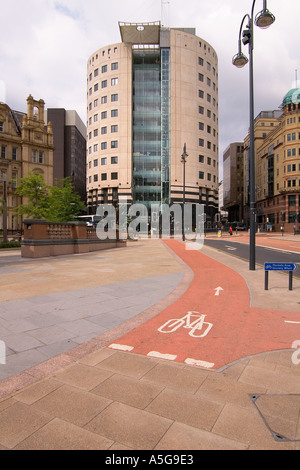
column 193, row 321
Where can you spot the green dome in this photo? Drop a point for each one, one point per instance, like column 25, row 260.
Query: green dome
column 292, row 97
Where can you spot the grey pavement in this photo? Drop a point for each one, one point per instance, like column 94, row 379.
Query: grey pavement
column 38, row 328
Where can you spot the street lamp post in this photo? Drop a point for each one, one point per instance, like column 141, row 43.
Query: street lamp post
column 263, row 20
column 183, row 160
column 4, row 205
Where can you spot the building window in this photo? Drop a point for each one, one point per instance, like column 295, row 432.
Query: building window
column 103, row 176
column 96, row 162
column 103, row 145
column 201, row 77
column 201, row 126
column 114, row 176
column 201, row 142
column 201, row 175
column 114, row 81
column 114, row 97
column 104, row 84
column 201, row 158
column 96, row 148
column 104, row 100
column 1, row 126
column 114, row 113
column 103, row 130
column 104, row 68
column 114, row 66
column 96, row 72
column 14, row 153
column 104, row 161
column 95, row 178
column 41, row 157
column 96, row 87
column 114, row 144
column 3, row 151
column 96, row 102
column 95, row 117
column 200, row 61
column 14, row 177
column 201, row 110
column 201, row 94
column 34, row 156
column 114, row 160
column 104, row 115
column 95, row 132
column 114, row 128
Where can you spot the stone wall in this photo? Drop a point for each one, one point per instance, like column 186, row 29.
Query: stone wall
column 43, row 239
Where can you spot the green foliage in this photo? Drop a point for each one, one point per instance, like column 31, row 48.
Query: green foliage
column 52, row 203
column 63, row 204
column 34, row 188
column 10, row 245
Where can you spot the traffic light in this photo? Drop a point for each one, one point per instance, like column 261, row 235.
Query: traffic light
column 246, row 36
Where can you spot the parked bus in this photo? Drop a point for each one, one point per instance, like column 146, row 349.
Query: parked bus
column 90, row 220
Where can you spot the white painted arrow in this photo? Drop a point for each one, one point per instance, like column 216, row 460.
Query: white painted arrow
column 218, row 290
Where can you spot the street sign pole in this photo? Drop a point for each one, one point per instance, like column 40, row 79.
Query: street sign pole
column 284, row 267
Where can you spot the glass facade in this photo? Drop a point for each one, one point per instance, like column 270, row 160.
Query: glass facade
column 150, row 124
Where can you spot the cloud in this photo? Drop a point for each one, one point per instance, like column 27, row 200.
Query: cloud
column 75, row 15
column 46, row 51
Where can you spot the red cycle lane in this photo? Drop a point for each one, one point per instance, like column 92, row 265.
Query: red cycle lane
column 212, row 324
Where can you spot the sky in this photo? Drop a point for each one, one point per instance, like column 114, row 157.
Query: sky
column 45, row 46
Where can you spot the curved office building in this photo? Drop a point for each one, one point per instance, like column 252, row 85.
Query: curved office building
column 147, row 96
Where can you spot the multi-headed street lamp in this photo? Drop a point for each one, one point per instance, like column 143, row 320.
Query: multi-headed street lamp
column 263, row 20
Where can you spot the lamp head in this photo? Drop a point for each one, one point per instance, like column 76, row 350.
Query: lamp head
column 240, row 60
column 264, row 19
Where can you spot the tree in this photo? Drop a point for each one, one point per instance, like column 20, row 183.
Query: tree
column 63, row 203
column 35, row 190
column 52, row 203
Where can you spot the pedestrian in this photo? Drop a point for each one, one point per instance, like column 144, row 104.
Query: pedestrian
column 230, row 231
column 282, row 229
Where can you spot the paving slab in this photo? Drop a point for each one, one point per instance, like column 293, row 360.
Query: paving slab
column 88, row 396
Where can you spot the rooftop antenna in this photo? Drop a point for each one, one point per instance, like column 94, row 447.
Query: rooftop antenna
column 165, row 13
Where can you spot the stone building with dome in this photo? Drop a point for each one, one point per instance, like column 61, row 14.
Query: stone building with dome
column 277, row 166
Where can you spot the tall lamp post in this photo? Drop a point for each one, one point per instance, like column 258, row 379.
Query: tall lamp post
column 263, row 20
column 4, row 205
column 183, row 160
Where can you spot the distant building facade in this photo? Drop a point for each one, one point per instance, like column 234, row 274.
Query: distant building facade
column 69, row 156
column 148, row 96
column 26, row 144
column 277, row 154
column 233, row 181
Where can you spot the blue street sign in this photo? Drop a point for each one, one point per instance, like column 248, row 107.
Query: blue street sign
column 280, row 267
